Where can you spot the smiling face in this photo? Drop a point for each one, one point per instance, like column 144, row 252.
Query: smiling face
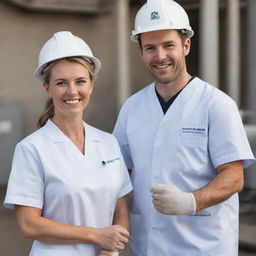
column 70, row 86
column 163, row 52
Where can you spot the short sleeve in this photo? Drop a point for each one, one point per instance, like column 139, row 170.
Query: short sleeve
column 126, row 185
column 26, row 181
column 227, row 138
column 120, row 133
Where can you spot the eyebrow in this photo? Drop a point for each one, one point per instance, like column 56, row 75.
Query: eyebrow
column 166, row 42
column 82, row 77
column 59, row 79
column 63, row 79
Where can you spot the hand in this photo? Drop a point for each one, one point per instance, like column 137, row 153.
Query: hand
column 112, row 238
column 108, row 253
column 170, row 200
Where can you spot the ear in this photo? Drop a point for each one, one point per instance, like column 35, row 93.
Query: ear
column 92, row 85
column 46, row 87
column 187, row 45
column 140, row 52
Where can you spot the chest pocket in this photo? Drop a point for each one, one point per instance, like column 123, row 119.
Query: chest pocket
column 194, row 136
column 110, row 167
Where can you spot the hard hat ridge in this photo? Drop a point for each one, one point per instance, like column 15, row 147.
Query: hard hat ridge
column 159, row 15
column 62, row 45
column 155, row 9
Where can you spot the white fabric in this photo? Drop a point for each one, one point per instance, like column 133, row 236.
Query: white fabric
column 61, row 45
column 172, row 201
column 201, row 130
column 50, row 173
column 159, row 15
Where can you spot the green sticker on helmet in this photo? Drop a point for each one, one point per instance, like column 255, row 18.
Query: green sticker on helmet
column 155, row 16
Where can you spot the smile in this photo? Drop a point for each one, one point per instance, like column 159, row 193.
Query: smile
column 71, row 101
column 161, row 66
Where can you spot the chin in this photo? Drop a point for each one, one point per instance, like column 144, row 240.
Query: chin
column 162, row 80
column 73, row 114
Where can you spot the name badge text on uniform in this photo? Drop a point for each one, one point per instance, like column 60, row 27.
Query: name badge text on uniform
column 192, row 131
column 106, row 162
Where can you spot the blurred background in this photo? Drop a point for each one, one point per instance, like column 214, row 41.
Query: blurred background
column 223, row 53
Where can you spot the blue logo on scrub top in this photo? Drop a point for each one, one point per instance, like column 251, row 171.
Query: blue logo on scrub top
column 104, row 163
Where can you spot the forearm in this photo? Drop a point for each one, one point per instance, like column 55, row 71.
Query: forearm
column 33, row 225
column 225, row 184
column 60, row 233
column 169, row 199
column 121, row 215
column 47, row 230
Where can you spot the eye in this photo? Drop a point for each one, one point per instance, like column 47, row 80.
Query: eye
column 149, row 49
column 168, row 46
column 81, row 81
column 60, row 83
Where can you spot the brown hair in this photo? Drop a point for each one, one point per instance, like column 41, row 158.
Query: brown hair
column 49, row 109
column 182, row 34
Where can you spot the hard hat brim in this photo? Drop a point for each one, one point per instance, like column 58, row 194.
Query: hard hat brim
column 134, row 36
column 97, row 65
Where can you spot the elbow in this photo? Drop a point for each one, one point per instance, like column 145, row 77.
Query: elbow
column 240, row 185
column 237, row 186
column 28, row 219
column 26, row 233
column 26, row 230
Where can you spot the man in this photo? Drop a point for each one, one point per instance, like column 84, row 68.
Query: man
column 185, row 144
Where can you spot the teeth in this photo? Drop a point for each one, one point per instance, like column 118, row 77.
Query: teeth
column 71, row 101
column 162, row 66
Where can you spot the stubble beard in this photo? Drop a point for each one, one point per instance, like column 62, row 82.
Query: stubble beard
column 164, row 78
column 172, row 76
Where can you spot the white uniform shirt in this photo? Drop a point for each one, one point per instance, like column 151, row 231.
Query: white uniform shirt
column 200, row 131
column 49, row 172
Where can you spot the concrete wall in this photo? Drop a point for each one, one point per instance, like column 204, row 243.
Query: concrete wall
column 22, row 34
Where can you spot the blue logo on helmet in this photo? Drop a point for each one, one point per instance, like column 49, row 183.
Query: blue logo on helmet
column 155, row 16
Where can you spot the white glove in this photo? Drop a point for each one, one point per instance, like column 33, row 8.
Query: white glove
column 170, row 200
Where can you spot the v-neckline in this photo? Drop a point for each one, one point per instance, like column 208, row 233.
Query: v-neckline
column 57, row 135
column 155, row 106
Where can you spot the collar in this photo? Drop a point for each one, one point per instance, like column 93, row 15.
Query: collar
column 57, row 136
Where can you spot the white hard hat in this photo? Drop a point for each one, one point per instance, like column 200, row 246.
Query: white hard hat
column 160, row 15
column 61, row 45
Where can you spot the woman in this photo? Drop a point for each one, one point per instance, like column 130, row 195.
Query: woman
column 68, row 180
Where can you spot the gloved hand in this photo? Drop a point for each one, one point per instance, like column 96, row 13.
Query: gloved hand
column 172, row 201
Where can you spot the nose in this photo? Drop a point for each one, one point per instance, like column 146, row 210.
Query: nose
column 160, row 54
column 71, row 89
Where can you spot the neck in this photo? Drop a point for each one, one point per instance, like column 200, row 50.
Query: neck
column 72, row 128
column 170, row 89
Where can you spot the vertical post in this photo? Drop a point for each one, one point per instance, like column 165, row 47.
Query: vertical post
column 209, row 41
column 250, row 89
column 233, row 49
column 122, row 37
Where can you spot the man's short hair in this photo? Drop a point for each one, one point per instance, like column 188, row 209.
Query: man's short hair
column 182, row 34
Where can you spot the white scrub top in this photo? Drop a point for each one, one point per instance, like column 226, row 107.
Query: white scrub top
column 49, row 172
column 200, row 131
